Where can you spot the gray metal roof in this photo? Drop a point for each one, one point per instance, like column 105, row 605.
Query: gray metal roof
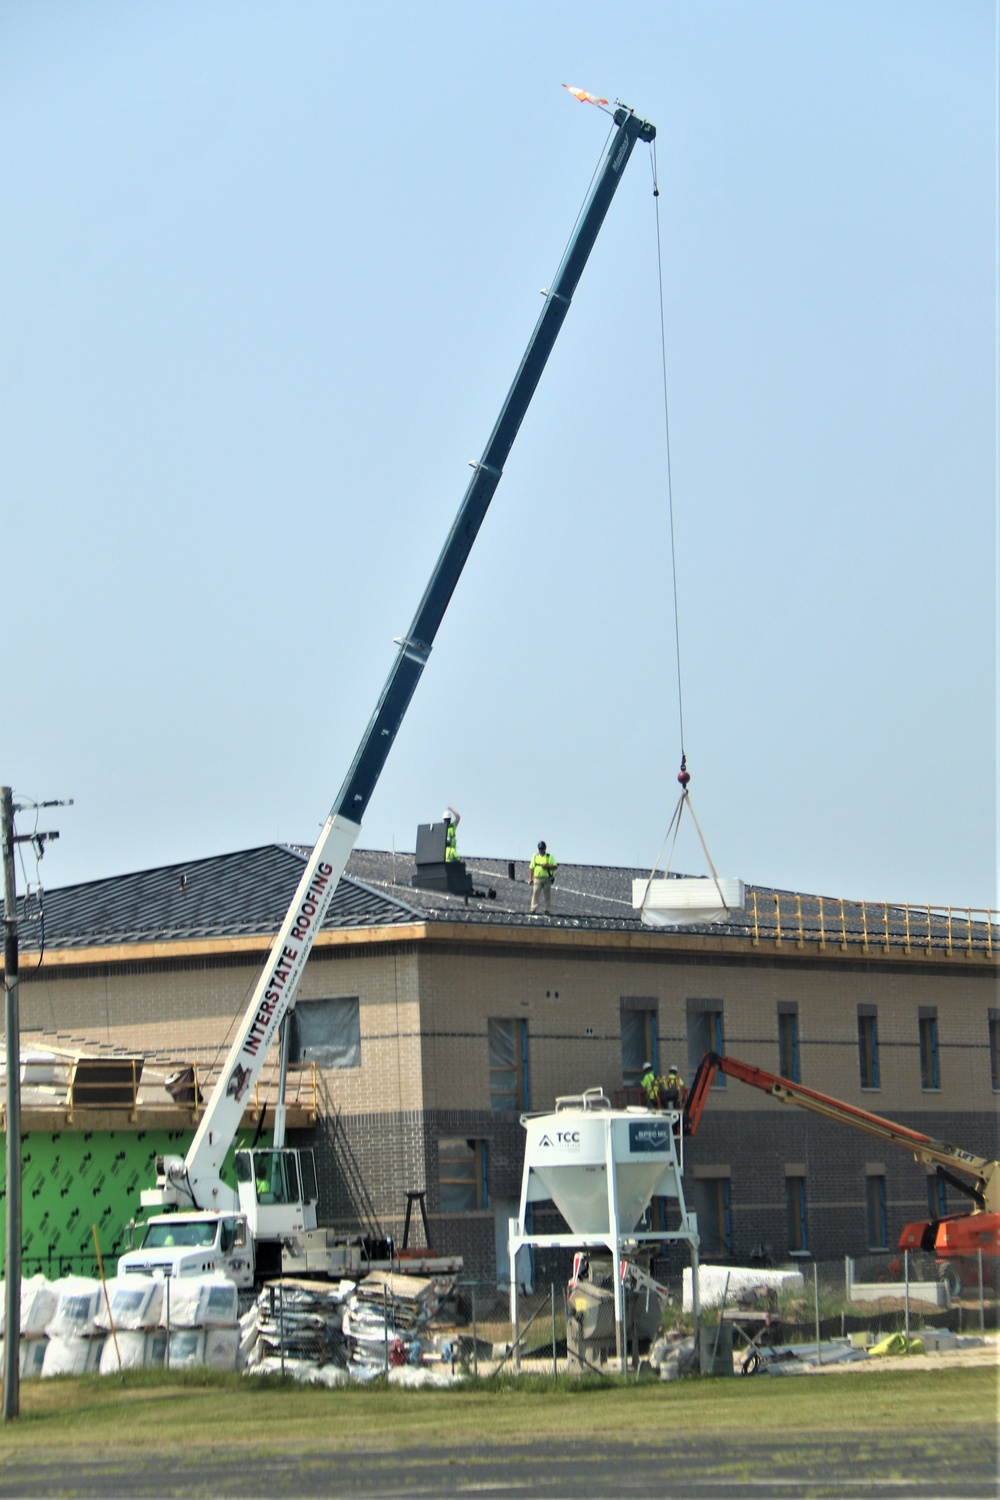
column 248, row 892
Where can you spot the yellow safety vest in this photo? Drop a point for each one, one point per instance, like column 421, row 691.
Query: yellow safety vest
column 543, row 868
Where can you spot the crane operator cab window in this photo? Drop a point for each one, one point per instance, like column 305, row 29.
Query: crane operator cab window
column 274, row 1175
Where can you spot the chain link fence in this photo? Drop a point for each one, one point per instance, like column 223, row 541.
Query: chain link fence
column 421, row 1330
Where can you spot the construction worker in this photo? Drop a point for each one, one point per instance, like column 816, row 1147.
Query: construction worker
column 451, row 822
column 542, row 875
column 650, row 1085
column 674, row 1092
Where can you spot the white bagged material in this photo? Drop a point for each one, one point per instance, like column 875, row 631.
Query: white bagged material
column 38, row 1305
column 135, row 1302
column 78, row 1302
column 202, row 1302
column 72, row 1356
column 187, row 1348
column 32, row 1358
column 712, row 1283
column 222, row 1348
column 138, row 1351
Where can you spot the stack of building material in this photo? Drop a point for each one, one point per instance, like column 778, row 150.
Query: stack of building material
column 387, row 1317
column 732, row 1283
column 38, row 1305
column 135, row 1339
column 75, row 1340
column 204, row 1322
column 296, row 1327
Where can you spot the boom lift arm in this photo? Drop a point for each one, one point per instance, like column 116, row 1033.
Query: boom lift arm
column 983, row 1188
column 196, row 1181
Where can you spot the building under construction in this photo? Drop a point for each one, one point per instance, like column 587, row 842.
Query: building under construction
column 435, row 1010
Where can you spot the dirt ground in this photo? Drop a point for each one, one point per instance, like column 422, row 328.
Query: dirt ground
column 987, row 1353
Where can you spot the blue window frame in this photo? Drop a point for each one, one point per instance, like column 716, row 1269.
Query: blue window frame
column 930, row 1077
column 868, row 1048
column 788, row 1043
column 795, row 1205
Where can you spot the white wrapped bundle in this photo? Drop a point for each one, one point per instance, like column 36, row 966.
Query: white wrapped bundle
column 221, row 1348
column 32, row 1358
column 72, row 1356
column 187, row 1348
column 136, row 1303
column 78, row 1302
column 38, row 1304
column 138, row 1351
column 202, row 1302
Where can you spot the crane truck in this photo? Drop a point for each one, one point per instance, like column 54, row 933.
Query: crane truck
column 951, row 1237
column 242, row 1230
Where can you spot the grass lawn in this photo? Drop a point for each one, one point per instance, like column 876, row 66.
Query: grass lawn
column 201, row 1410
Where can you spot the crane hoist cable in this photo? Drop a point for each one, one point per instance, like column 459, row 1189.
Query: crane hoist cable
column 683, row 775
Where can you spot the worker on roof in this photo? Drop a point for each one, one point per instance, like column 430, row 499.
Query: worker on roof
column 541, row 876
column 650, row 1085
column 451, row 822
column 673, row 1092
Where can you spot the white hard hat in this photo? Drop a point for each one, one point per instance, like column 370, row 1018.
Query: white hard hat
column 450, row 812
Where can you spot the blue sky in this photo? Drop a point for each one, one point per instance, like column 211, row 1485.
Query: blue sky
column 268, row 270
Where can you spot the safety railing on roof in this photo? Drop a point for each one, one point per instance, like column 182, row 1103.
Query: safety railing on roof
column 786, row 918
column 118, row 1084
column 301, row 1089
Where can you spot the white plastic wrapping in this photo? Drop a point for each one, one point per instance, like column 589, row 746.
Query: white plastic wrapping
column 72, row 1356
column 138, row 1351
column 78, row 1302
column 202, row 1302
column 38, row 1305
column 136, row 1303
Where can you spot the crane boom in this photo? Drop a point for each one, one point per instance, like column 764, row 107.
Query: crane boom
column 984, row 1187
column 197, row 1181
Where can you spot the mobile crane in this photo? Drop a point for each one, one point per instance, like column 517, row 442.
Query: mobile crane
column 238, row 1230
column 949, row 1237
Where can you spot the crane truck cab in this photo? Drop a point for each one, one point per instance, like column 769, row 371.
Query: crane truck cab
column 273, row 1205
column 194, row 1244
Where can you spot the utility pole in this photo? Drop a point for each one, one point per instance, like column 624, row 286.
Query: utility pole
column 12, row 1286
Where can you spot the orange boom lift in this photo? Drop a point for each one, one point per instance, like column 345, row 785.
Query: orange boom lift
column 950, row 1237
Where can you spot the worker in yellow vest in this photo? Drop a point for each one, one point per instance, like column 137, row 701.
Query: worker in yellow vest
column 674, row 1091
column 542, row 874
column 451, row 822
column 650, row 1085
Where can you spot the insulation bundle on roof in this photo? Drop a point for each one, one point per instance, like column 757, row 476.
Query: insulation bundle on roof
column 686, row 902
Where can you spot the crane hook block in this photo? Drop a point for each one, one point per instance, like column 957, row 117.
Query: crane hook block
column 684, row 775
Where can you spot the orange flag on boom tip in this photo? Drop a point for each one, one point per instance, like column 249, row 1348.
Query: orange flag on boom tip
column 583, row 96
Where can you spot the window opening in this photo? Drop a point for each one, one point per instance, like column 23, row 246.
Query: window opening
column 462, row 1175
column 929, row 1075
column 868, row 1050
column 327, row 1033
column 507, row 1041
column 795, row 1202
column 877, row 1232
column 705, row 1034
column 640, row 1045
column 788, row 1045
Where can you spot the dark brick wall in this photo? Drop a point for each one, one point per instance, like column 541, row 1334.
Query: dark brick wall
column 757, row 1145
